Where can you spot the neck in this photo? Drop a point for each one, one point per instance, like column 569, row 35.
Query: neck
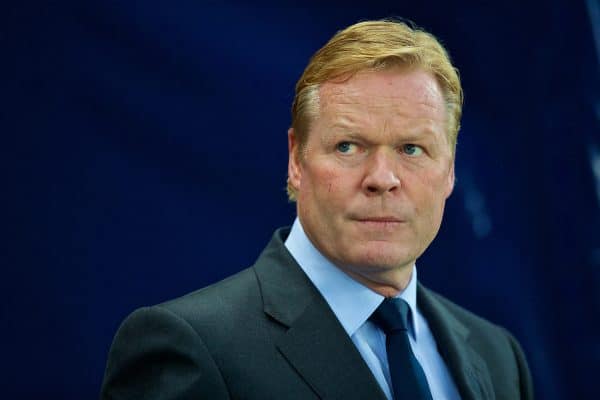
column 387, row 283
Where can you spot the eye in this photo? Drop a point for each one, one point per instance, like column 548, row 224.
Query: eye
column 346, row 147
column 412, row 150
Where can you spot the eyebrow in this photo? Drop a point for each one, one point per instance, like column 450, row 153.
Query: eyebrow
column 347, row 133
column 417, row 133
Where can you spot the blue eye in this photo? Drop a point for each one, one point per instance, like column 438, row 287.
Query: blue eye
column 412, row 150
column 346, row 147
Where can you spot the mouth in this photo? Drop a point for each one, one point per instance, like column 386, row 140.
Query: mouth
column 380, row 221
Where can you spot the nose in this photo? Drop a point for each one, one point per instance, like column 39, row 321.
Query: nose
column 381, row 175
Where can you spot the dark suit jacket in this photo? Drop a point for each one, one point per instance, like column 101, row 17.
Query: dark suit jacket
column 267, row 333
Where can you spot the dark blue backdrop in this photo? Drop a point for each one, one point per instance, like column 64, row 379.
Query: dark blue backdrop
column 142, row 142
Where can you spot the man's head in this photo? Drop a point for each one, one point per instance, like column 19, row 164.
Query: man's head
column 374, row 45
column 372, row 148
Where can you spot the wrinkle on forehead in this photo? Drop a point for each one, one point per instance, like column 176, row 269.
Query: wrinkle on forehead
column 375, row 98
column 388, row 106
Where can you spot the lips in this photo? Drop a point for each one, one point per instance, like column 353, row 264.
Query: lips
column 384, row 219
column 380, row 224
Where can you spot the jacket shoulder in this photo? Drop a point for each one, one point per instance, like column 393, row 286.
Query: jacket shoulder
column 220, row 304
column 496, row 346
column 465, row 316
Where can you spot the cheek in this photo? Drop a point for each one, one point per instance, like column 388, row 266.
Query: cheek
column 326, row 182
column 429, row 194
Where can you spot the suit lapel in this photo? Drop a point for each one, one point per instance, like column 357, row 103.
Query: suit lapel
column 315, row 344
column 468, row 369
column 320, row 350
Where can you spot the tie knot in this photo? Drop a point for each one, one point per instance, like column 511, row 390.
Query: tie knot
column 391, row 315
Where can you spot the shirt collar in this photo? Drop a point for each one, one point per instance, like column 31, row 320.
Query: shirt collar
column 351, row 302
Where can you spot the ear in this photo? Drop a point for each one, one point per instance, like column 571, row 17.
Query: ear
column 294, row 170
column 450, row 180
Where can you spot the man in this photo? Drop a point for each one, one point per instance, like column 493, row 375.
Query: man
column 371, row 163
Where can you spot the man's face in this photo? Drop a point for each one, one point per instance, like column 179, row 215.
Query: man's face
column 376, row 170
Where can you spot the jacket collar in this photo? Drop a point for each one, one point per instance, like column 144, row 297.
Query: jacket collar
column 318, row 348
column 468, row 369
column 315, row 343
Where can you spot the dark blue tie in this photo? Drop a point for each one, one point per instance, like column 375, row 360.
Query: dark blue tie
column 408, row 378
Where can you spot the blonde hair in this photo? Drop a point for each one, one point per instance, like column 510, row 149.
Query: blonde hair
column 373, row 45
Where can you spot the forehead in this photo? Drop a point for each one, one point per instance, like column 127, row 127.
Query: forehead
column 401, row 92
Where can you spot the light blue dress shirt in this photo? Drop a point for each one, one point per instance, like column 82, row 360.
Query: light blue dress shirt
column 353, row 304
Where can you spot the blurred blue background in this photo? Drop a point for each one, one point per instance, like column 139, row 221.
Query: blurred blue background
column 143, row 141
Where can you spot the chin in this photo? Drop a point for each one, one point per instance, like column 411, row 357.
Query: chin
column 384, row 257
